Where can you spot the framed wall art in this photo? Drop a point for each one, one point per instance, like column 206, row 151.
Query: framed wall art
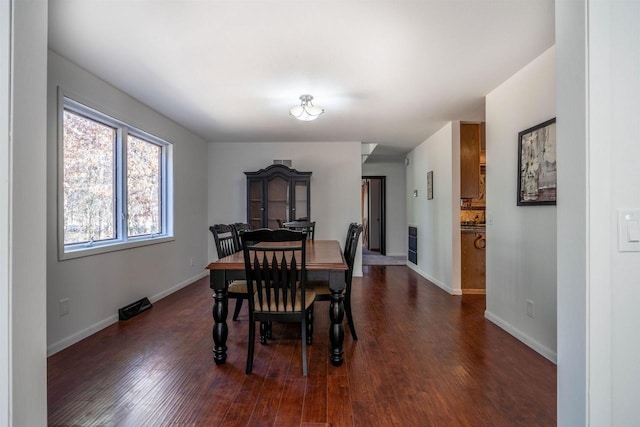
column 537, row 177
column 429, row 185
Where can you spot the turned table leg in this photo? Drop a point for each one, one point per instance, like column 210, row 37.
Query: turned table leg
column 220, row 310
column 336, row 314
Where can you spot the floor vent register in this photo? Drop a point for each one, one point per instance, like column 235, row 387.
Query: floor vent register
column 134, row 309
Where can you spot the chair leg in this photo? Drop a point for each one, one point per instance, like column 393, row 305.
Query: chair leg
column 263, row 332
column 347, row 309
column 269, row 331
column 303, row 343
column 238, row 307
column 252, row 339
column 310, row 325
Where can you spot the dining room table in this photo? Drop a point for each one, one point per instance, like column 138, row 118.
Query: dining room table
column 324, row 262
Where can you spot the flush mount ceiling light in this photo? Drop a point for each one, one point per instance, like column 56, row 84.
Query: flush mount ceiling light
column 306, row 111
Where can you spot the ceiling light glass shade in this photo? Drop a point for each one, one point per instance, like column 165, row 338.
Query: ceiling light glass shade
column 306, row 111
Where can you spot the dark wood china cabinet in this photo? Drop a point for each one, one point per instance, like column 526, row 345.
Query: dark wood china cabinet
column 277, row 193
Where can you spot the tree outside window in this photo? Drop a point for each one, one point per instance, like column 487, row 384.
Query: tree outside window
column 89, row 187
column 114, row 187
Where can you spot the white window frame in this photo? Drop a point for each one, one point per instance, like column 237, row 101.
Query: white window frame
column 75, row 104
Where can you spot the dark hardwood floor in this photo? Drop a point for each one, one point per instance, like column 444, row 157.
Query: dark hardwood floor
column 424, row 358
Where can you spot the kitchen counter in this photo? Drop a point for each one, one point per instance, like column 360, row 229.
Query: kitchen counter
column 472, row 228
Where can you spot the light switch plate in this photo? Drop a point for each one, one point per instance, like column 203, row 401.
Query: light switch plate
column 489, row 218
column 629, row 230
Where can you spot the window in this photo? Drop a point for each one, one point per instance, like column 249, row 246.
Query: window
column 144, row 178
column 89, row 179
column 114, row 185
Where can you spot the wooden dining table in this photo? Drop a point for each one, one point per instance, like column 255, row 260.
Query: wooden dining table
column 324, row 262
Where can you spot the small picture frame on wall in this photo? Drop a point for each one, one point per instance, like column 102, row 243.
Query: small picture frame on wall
column 537, row 179
column 430, row 185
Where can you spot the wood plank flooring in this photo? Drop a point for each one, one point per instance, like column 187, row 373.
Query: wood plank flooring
column 424, row 358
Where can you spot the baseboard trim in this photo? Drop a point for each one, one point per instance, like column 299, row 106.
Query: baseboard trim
column 403, row 254
column 177, row 287
column 98, row 326
column 80, row 335
column 433, row 280
column 546, row 352
column 474, row 292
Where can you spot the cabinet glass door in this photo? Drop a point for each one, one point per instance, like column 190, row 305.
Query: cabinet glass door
column 301, row 202
column 277, row 201
column 255, row 204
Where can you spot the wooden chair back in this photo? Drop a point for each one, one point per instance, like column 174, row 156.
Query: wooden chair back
column 225, row 238
column 238, row 228
column 351, row 248
column 309, row 227
column 349, row 239
column 322, row 288
column 275, row 268
column 275, row 272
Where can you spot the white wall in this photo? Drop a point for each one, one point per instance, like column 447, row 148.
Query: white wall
column 572, row 214
column 27, row 385
column 5, row 225
column 396, row 181
column 521, row 249
column 598, row 286
column 438, row 233
column 335, row 183
column 100, row 284
column 615, row 49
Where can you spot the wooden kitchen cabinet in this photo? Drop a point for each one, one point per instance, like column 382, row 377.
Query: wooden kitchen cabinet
column 473, row 262
column 471, row 136
column 277, row 192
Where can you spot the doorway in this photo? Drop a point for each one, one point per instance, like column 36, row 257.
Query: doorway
column 373, row 210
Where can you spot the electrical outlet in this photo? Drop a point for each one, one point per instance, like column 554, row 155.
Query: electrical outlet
column 63, row 307
column 530, row 308
column 191, row 261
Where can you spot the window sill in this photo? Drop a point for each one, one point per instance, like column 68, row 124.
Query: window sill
column 67, row 254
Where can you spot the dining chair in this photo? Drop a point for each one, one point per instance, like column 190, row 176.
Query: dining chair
column 321, row 288
column 308, row 227
column 240, row 227
column 276, row 276
column 227, row 243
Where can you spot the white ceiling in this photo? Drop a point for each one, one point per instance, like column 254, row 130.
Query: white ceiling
column 386, row 72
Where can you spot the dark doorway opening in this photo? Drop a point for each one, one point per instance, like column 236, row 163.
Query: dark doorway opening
column 374, row 213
